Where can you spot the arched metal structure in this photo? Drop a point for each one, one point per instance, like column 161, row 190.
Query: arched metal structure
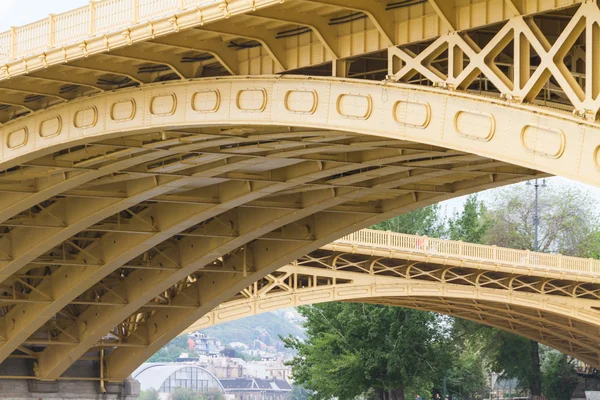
column 141, row 185
column 549, row 298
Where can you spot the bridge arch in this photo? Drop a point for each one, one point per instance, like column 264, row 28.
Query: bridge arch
column 530, row 136
column 270, row 146
column 568, row 324
column 127, row 215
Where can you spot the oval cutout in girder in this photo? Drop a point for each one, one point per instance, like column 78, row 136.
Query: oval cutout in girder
column 123, row 110
column 206, row 101
column 414, row 114
column 475, row 125
column 355, row 106
column 163, row 105
column 50, row 127
column 301, row 101
column 547, row 142
column 251, row 100
column 86, row 118
column 17, row 138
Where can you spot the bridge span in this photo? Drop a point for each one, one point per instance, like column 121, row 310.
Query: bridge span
column 159, row 156
column 550, row 298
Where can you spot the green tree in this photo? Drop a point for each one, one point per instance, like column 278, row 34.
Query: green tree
column 172, row 350
column 150, row 394
column 424, row 221
column 231, row 352
column 559, row 376
column 471, row 224
column 213, row 395
column 182, row 393
column 568, row 220
column 370, row 350
column 300, row 393
column 568, row 224
column 468, row 376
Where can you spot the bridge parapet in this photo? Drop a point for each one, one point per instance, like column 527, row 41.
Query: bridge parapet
column 101, row 19
column 390, row 241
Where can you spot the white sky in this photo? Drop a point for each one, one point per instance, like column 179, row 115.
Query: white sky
column 22, row 12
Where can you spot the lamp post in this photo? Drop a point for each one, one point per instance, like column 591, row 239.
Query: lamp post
column 536, row 213
column 535, row 355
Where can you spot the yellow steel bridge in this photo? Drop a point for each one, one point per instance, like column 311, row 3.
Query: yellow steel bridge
column 161, row 158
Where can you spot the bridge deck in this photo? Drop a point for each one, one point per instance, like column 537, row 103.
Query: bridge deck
column 367, row 240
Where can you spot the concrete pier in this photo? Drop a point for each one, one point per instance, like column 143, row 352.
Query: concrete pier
column 81, row 381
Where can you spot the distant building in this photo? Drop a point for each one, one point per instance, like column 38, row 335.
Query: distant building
column 224, row 367
column 203, row 344
column 186, row 358
column 239, row 345
column 165, row 378
column 257, row 389
column 268, row 369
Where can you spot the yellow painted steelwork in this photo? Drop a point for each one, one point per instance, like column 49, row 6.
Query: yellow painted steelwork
column 141, row 185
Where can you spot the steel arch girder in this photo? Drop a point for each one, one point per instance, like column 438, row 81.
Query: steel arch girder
column 122, row 362
column 364, row 287
column 118, row 248
column 403, row 112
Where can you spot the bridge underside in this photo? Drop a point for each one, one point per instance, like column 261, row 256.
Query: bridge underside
column 123, row 243
column 141, row 186
column 553, row 306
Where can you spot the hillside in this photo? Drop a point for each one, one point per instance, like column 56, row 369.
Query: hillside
column 263, row 327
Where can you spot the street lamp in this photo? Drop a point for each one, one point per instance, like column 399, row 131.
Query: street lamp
column 536, row 215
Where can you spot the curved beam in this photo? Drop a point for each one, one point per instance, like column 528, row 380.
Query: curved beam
column 55, row 359
column 327, row 34
column 429, row 116
column 577, row 329
column 518, row 134
column 275, row 48
column 217, row 48
column 213, row 290
column 116, row 249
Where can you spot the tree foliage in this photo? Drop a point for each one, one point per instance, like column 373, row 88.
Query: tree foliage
column 568, row 222
column 182, row 393
column 171, row 351
column 559, row 376
column 426, row 221
column 150, row 394
column 299, row 392
column 471, row 224
column 360, row 349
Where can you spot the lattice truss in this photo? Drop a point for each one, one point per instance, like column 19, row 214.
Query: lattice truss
column 331, row 272
column 423, row 271
column 525, row 50
column 548, row 59
column 124, row 243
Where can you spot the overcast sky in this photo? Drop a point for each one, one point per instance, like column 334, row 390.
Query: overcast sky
column 22, row 12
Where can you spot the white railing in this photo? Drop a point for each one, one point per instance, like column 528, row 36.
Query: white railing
column 439, row 247
column 94, row 19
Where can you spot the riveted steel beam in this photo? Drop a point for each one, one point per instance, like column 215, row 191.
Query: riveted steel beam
column 374, row 10
column 318, row 24
column 266, row 259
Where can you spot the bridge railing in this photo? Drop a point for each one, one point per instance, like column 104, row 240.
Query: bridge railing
column 477, row 252
column 91, row 20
